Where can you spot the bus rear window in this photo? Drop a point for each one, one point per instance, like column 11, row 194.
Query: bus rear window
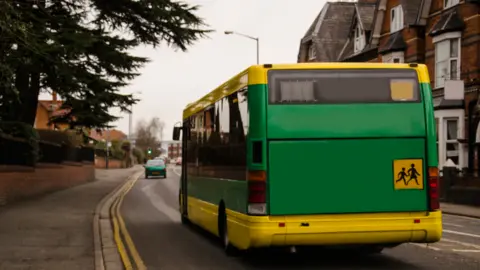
column 337, row 86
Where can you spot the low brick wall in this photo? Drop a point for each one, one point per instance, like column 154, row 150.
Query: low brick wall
column 112, row 163
column 18, row 182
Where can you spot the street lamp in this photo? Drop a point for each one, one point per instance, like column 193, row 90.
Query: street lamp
column 249, row 37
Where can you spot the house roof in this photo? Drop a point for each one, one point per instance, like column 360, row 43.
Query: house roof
column 330, row 30
column 364, row 14
column 449, row 21
column 411, row 10
column 50, row 105
column 112, row 135
column 395, row 42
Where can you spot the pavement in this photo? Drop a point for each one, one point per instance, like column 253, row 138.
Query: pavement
column 461, row 210
column 55, row 231
column 150, row 211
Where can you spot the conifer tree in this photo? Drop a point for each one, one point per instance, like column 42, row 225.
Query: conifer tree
column 81, row 50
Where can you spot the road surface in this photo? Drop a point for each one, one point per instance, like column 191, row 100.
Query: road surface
column 152, row 219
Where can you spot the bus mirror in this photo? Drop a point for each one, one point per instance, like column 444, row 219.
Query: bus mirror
column 176, row 133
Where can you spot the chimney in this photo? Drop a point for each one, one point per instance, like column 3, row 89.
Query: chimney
column 54, row 96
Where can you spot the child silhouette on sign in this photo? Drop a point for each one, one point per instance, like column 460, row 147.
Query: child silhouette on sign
column 401, row 176
column 413, row 173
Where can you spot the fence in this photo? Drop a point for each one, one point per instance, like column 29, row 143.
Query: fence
column 460, row 186
column 16, row 151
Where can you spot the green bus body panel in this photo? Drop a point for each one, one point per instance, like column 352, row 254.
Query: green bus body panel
column 346, row 121
column 234, row 192
column 432, row 150
column 341, row 176
column 313, row 167
column 213, row 190
column 258, row 121
column 338, row 158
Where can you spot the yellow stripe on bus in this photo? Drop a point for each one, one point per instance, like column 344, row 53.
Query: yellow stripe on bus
column 258, row 75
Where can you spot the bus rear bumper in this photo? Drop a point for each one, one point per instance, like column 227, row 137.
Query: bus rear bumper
column 381, row 228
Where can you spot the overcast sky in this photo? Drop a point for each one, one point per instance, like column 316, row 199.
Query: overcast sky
column 173, row 79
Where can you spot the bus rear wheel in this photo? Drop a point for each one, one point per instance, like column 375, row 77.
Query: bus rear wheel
column 229, row 249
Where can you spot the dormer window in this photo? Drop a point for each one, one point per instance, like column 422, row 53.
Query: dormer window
column 396, row 19
column 450, row 3
column 312, row 52
column 359, row 39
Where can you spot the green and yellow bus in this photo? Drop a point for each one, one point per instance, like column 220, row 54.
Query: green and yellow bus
column 313, row 154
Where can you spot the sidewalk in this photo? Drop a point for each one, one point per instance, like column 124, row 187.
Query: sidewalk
column 460, row 210
column 55, row 231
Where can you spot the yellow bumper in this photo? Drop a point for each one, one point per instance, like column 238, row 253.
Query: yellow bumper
column 382, row 228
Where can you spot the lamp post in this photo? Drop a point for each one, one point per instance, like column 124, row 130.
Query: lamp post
column 257, row 40
column 130, row 115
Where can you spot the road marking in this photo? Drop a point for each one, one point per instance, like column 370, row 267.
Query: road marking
column 175, row 171
column 452, row 224
column 463, row 217
column 461, row 243
column 462, row 233
column 466, row 250
column 122, row 229
column 116, row 235
column 159, row 203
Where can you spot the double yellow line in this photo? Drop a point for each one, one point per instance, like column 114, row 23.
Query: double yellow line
column 126, row 248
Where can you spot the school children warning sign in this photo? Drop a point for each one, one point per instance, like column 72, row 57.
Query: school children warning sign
column 408, row 174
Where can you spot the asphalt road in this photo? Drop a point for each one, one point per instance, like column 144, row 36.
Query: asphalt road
column 152, row 219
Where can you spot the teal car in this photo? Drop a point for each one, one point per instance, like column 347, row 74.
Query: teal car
column 155, row 167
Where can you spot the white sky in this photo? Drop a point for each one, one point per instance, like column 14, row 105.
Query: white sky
column 173, row 79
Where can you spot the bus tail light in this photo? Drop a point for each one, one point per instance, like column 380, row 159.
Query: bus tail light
column 433, row 194
column 257, row 193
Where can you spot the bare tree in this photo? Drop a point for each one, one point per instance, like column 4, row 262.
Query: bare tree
column 157, row 127
column 149, row 135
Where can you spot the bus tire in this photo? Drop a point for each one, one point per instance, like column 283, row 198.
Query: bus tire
column 229, row 249
column 184, row 219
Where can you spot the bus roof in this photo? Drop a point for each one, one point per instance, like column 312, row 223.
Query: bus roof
column 257, row 75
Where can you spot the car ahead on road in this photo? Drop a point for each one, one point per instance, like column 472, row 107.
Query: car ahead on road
column 178, row 161
column 155, row 167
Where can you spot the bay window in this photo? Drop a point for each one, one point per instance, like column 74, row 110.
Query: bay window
column 447, row 59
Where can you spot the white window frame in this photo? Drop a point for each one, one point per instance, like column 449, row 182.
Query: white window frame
column 450, row 3
column 394, row 57
column 443, row 116
column 396, row 19
column 312, row 52
column 440, row 75
column 360, row 42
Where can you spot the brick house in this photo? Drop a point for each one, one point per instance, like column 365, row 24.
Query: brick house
column 110, row 135
column 328, row 33
column 174, row 150
column 46, row 109
column 443, row 34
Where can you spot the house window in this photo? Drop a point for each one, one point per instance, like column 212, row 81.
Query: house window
column 312, row 52
column 396, row 19
column 450, row 3
column 447, row 61
column 452, row 145
column 359, row 39
column 450, row 128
